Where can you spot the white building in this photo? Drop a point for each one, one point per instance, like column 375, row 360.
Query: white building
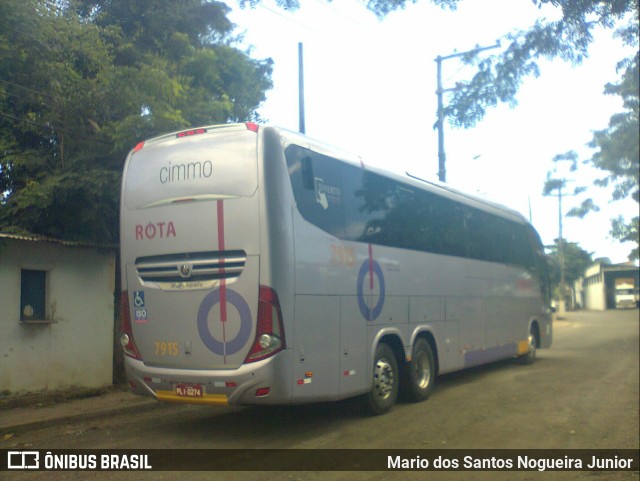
column 56, row 314
column 596, row 290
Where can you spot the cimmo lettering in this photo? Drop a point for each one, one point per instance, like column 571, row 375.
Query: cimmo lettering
column 186, row 171
column 159, row 230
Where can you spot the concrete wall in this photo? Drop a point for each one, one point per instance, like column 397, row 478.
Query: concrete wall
column 594, row 288
column 76, row 348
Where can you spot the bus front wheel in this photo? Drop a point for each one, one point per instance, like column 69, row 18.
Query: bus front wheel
column 384, row 389
column 530, row 356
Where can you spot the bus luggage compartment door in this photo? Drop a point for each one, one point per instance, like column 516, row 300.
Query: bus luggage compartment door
column 316, row 348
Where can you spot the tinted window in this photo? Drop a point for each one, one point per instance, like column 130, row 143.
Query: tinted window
column 353, row 204
column 317, row 187
column 381, row 211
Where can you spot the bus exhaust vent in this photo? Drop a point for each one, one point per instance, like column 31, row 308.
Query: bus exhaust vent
column 191, row 270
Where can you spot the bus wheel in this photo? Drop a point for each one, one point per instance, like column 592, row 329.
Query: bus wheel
column 530, row 356
column 421, row 372
column 384, row 390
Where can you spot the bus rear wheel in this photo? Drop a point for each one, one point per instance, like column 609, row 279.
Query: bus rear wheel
column 384, row 390
column 421, row 372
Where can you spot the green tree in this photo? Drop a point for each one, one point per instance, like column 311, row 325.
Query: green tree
column 576, row 260
column 555, row 184
column 618, row 153
column 51, row 173
column 83, row 81
column 499, row 76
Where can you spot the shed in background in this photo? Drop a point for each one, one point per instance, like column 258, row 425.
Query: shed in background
column 596, row 290
column 56, row 314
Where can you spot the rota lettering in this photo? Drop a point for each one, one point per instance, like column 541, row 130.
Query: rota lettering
column 159, row 230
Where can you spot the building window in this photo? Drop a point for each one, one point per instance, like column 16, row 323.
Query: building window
column 33, row 295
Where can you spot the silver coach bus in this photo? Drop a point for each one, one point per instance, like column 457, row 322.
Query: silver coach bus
column 262, row 267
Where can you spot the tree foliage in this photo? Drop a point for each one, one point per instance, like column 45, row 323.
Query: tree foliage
column 498, row 77
column 618, row 153
column 576, row 260
column 618, row 146
column 82, row 81
column 558, row 186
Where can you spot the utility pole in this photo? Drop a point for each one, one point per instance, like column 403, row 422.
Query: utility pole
column 561, row 242
column 301, row 124
column 558, row 184
column 442, row 173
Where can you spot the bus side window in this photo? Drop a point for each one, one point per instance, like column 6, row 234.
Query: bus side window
column 369, row 199
column 317, row 188
column 308, row 179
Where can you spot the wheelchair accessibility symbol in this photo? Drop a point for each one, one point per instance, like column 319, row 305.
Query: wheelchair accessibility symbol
column 138, row 298
column 139, row 309
column 224, row 347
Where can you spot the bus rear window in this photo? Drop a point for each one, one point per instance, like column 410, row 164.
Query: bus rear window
column 220, row 164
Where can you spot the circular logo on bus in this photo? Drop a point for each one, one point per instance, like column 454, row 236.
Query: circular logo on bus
column 224, row 347
column 370, row 270
column 185, row 271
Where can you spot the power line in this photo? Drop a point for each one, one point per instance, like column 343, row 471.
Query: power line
column 455, row 74
column 300, row 24
column 342, row 14
column 291, row 18
column 440, row 92
column 41, row 125
column 54, row 129
column 28, row 89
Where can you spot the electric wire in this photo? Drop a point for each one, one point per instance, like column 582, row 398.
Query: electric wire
column 52, row 128
column 289, row 19
column 28, row 89
column 342, row 14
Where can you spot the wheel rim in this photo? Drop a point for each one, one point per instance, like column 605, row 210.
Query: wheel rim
column 422, row 371
column 383, row 378
column 532, row 345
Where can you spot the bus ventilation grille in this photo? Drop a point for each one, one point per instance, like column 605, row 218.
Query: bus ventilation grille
column 195, row 270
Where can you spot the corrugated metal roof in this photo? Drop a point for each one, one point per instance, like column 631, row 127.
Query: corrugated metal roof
column 41, row 238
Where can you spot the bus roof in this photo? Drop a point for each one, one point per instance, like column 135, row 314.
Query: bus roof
column 435, row 187
column 321, row 147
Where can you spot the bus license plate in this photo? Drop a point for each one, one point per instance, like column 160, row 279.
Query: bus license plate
column 189, row 390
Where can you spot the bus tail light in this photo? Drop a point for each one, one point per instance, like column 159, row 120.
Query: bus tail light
column 128, row 344
column 252, row 126
column 189, row 133
column 263, row 391
column 270, row 329
column 138, row 147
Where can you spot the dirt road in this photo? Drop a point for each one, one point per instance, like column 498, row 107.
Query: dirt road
column 582, row 393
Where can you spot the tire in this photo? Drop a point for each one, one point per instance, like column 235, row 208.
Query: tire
column 530, row 356
column 420, row 374
column 384, row 389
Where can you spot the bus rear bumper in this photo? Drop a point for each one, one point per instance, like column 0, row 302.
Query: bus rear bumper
column 262, row 382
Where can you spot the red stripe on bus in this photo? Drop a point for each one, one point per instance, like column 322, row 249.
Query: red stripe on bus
column 370, row 267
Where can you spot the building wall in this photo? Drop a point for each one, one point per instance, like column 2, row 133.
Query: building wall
column 594, row 289
column 579, row 294
column 76, row 348
column 598, row 284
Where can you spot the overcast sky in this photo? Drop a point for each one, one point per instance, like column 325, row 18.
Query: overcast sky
column 370, row 89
